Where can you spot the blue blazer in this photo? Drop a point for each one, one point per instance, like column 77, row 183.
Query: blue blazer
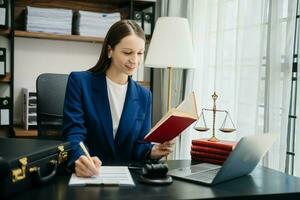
column 87, row 118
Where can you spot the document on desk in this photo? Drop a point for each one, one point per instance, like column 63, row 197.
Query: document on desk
column 109, row 175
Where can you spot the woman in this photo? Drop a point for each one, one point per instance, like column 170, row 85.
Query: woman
column 106, row 109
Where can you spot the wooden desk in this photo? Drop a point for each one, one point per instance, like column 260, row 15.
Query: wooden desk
column 263, row 183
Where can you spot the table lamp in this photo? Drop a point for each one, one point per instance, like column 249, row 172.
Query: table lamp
column 170, row 47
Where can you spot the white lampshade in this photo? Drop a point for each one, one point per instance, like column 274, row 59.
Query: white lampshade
column 171, row 44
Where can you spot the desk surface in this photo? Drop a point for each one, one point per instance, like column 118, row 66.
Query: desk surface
column 262, row 183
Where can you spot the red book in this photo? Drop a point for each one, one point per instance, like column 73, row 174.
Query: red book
column 208, row 160
column 209, row 155
column 210, row 150
column 172, row 127
column 174, row 122
column 226, row 145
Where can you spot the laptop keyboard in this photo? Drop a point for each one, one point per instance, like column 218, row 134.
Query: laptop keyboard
column 206, row 176
column 202, row 167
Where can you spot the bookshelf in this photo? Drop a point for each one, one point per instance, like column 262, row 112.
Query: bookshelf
column 7, row 61
column 50, row 36
column 105, row 6
column 6, row 78
column 58, row 37
column 21, row 132
column 127, row 8
column 5, row 32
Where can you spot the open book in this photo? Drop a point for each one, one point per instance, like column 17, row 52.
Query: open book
column 174, row 122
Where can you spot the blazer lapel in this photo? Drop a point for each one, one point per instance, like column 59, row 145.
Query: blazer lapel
column 101, row 102
column 129, row 113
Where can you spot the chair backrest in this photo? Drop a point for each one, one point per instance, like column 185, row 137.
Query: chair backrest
column 50, row 90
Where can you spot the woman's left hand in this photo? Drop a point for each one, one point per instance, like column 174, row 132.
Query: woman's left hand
column 160, row 150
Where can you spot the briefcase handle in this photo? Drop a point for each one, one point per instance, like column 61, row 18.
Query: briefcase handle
column 37, row 176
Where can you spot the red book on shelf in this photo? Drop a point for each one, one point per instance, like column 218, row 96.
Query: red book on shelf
column 226, row 145
column 174, row 122
column 208, row 160
column 210, row 150
column 209, row 155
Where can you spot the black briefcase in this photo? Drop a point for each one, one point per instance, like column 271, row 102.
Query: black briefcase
column 25, row 163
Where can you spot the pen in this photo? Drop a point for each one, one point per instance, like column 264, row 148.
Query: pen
column 85, row 151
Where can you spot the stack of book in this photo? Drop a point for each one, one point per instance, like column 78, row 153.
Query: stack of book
column 211, row 152
column 94, row 24
column 49, row 20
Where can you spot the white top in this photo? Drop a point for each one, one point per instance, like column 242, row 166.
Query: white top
column 116, row 97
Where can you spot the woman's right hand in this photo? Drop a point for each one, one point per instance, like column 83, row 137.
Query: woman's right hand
column 84, row 167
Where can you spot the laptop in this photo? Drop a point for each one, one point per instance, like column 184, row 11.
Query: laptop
column 241, row 161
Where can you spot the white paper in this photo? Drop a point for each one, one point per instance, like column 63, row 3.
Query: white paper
column 147, row 28
column 109, row 175
column 49, row 20
column 4, row 114
column 2, row 16
column 2, row 68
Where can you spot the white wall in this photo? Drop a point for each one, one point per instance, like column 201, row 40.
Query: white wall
column 36, row 56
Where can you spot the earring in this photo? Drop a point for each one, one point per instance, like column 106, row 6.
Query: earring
column 109, row 56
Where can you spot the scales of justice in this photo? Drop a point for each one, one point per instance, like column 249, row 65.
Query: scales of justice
column 203, row 127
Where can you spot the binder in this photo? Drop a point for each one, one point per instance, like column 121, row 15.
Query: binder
column 4, row 111
column 147, row 23
column 145, row 20
column 137, row 16
column 2, row 61
column 3, row 13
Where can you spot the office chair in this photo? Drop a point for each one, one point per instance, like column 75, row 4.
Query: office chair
column 50, row 90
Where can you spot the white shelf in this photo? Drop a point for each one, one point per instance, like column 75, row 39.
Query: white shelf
column 58, row 37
